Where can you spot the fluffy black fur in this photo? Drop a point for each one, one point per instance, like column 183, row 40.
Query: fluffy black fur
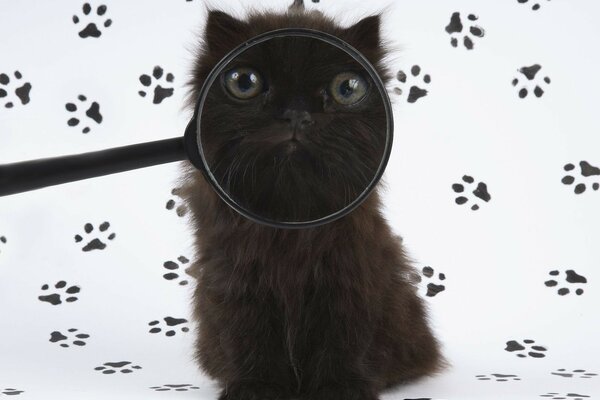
column 321, row 313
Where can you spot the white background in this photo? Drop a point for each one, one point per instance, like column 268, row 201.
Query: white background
column 496, row 259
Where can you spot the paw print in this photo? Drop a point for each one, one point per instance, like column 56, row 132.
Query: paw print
column 432, row 288
column 570, row 396
column 170, row 322
column 93, row 113
column 532, row 81
column 91, row 29
column 497, row 377
column 95, row 243
column 71, row 337
column 576, row 373
column 178, row 388
column 415, row 92
column 534, row 7
column 176, row 203
column 21, row 92
column 3, row 240
column 11, row 392
column 173, row 266
column 55, row 298
column 455, row 30
column 572, row 278
column 160, row 93
column 124, row 367
column 481, row 192
column 528, row 349
column 586, row 171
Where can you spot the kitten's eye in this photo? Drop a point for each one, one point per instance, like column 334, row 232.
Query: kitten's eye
column 348, row 88
column 243, row 83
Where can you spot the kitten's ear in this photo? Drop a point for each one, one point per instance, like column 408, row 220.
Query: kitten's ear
column 365, row 35
column 223, row 32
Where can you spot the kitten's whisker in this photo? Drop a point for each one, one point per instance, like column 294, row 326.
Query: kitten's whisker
column 252, row 172
column 237, row 165
column 229, row 172
column 249, row 165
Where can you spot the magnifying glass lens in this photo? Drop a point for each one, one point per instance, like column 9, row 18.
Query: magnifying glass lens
column 293, row 129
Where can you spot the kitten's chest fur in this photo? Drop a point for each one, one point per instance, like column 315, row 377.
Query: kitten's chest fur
column 291, row 270
column 291, row 264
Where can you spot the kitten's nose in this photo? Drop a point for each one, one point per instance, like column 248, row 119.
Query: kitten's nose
column 297, row 118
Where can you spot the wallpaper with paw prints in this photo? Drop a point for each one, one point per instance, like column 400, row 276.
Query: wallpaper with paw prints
column 494, row 184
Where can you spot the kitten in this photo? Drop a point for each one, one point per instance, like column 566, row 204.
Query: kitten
column 328, row 312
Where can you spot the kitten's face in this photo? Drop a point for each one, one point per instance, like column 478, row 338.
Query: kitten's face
column 294, row 129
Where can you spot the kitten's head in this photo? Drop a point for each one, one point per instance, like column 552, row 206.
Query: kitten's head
column 294, row 129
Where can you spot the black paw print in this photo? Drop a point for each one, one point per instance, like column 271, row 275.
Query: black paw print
column 532, row 81
column 124, row 367
column 576, row 373
column 11, row 392
column 571, row 277
column 455, row 30
column 178, row 388
column 586, row 171
column 93, row 113
column 534, row 7
column 55, row 298
column 170, row 322
column 21, row 92
column 481, row 192
column 173, row 266
column 432, row 288
column 91, row 29
column 570, row 396
column 497, row 377
column 415, row 92
column 71, row 337
column 95, row 243
column 160, row 93
column 3, row 240
column 176, row 203
column 528, row 349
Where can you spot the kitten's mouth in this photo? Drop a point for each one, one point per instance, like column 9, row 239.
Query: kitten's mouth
column 280, row 138
column 292, row 145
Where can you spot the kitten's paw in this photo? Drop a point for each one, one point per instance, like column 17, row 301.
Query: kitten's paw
column 347, row 391
column 253, row 391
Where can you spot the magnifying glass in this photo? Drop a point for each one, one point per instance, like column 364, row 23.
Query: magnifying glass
column 295, row 146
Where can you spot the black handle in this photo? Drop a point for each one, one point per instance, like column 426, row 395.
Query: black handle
column 29, row 175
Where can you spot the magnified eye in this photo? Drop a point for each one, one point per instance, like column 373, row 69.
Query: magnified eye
column 348, row 88
column 243, row 83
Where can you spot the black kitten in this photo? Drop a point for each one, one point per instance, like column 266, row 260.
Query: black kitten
column 321, row 313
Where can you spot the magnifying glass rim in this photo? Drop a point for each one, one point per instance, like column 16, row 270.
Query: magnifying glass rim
column 296, row 32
